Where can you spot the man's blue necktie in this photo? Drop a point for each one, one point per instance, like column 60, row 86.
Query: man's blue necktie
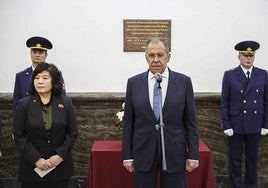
column 156, row 105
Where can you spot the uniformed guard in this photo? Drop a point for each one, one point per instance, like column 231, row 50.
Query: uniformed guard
column 244, row 110
column 39, row 47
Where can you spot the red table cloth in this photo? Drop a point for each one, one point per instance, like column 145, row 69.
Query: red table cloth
column 106, row 169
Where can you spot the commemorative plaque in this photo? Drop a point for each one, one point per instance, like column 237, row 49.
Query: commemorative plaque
column 137, row 32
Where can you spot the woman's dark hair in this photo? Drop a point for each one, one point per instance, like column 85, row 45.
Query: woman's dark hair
column 54, row 73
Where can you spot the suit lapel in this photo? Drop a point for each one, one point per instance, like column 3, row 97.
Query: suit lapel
column 145, row 90
column 171, row 90
column 241, row 76
column 253, row 79
column 28, row 74
column 37, row 115
column 26, row 81
column 57, row 113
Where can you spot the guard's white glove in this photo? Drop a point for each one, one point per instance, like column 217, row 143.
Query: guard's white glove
column 264, row 131
column 228, row 132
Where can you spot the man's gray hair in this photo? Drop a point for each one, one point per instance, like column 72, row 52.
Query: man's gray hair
column 157, row 40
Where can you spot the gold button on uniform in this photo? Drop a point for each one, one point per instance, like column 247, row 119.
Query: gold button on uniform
column 245, row 111
column 244, row 101
column 255, row 101
column 255, row 112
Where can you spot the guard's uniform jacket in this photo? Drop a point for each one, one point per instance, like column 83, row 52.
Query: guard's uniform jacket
column 245, row 106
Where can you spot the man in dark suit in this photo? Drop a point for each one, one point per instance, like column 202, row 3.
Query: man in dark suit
column 39, row 47
column 244, row 108
column 141, row 143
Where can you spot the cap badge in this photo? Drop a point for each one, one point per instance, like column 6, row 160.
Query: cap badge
column 38, row 45
column 249, row 49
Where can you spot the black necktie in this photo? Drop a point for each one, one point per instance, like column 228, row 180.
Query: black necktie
column 248, row 73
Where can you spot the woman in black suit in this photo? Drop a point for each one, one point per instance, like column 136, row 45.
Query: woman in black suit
column 45, row 130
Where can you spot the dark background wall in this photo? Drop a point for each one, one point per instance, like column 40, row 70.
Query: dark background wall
column 96, row 116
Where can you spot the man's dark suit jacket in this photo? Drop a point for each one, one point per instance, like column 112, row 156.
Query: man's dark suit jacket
column 140, row 136
column 34, row 142
column 23, row 84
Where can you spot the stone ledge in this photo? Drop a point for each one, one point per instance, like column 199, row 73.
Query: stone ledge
column 115, row 96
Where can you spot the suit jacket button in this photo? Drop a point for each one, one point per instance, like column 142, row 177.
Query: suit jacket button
column 255, row 112
column 245, row 111
column 255, row 101
column 257, row 91
column 244, row 101
column 48, row 141
column 241, row 91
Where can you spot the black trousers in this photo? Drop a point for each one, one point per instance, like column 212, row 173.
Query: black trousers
column 167, row 180
column 238, row 142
